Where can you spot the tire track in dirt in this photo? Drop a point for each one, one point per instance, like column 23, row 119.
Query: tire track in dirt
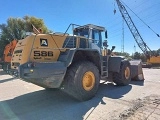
column 147, row 108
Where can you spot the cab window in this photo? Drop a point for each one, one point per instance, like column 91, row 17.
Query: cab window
column 82, row 32
column 96, row 35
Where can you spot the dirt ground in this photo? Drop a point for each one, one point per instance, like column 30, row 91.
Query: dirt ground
column 140, row 100
column 142, row 109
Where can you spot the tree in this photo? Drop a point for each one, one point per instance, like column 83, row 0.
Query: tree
column 16, row 28
column 139, row 56
column 158, row 51
column 13, row 29
column 143, row 57
column 38, row 23
column 125, row 54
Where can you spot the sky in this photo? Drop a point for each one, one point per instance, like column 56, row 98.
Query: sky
column 58, row 14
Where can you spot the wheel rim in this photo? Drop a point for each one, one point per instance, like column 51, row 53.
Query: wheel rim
column 127, row 73
column 88, row 81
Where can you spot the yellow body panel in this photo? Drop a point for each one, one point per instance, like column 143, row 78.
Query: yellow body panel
column 104, row 52
column 55, row 44
column 154, row 60
column 38, row 48
column 21, row 52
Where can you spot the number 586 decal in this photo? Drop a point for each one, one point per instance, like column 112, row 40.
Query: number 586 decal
column 43, row 53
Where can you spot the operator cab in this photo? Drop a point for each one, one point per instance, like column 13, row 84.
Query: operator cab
column 93, row 33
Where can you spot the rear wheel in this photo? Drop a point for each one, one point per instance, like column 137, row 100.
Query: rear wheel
column 8, row 67
column 124, row 76
column 4, row 67
column 82, row 80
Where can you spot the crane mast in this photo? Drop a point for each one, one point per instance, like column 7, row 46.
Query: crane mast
column 139, row 40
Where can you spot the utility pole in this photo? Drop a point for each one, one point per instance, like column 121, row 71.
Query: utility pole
column 122, row 42
column 134, row 48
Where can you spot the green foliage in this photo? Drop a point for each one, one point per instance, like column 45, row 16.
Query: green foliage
column 125, row 54
column 38, row 23
column 136, row 56
column 143, row 58
column 139, row 56
column 16, row 28
column 158, row 51
column 12, row 30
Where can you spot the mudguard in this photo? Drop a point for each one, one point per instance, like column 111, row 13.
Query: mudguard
column 114, row 63
column 136, row 69
column 90, row 54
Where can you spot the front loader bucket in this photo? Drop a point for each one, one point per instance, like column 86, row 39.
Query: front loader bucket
column 136, row 70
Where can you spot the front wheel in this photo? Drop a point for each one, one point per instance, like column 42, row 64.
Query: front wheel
column 82, row 80
column 124, row 76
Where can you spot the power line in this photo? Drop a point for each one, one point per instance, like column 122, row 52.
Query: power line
column 148, row 8
column 140, row 4
column 116, row 31
column 119, row 22
column 142, row 21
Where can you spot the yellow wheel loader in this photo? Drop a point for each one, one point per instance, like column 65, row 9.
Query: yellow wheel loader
column 7, row 55
column 73, row 63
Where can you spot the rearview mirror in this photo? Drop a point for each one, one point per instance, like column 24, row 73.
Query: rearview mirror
column 105, row 43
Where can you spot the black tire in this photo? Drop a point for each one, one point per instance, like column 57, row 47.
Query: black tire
column 75, row 78
column 4, row 67
column 123, row 78
column 8, row 67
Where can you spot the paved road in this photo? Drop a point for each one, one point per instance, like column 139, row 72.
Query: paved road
column 140, row 100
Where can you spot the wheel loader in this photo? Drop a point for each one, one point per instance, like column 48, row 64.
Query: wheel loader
column 7, row 55
column 73, row 63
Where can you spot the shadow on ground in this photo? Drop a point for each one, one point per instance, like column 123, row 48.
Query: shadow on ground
column 7, row 80
column 112, row 91
column 140, row 82
column 56, row 105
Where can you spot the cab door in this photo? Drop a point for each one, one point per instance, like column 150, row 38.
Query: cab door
column 96, row 40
